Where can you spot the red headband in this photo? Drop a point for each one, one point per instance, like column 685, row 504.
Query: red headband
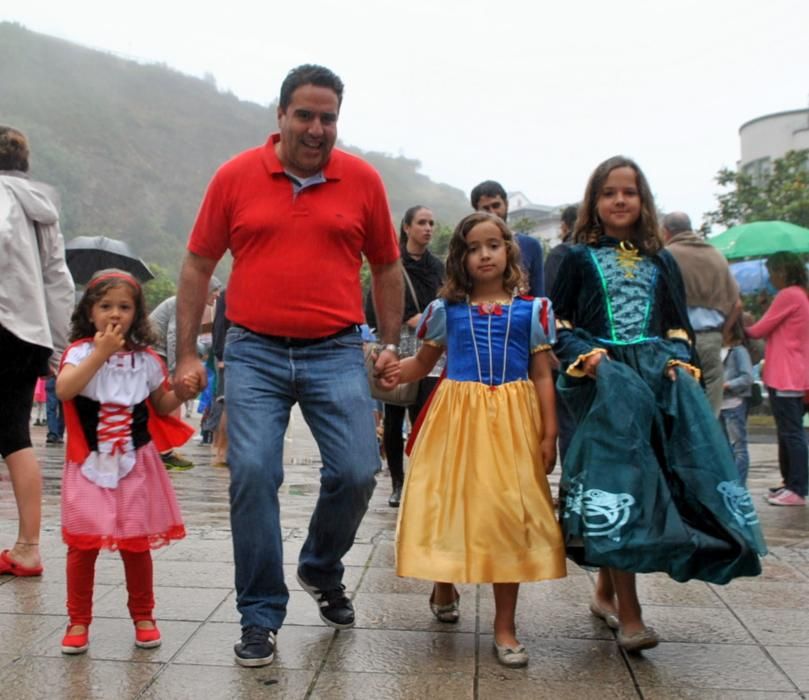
column 114, row 275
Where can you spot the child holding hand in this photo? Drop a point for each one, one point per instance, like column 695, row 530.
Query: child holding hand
column 477, row 507
column 115, row 490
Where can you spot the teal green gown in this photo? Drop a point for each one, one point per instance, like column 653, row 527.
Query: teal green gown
column 648, row 483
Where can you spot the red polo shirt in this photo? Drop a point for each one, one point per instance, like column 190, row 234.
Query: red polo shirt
column 296, row 260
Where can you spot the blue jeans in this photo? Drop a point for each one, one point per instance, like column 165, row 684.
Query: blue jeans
column 53, row 409
column 264, row 379
column 734, row 421
column 793, row 454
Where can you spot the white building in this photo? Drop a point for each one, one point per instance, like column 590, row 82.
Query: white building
column 537, row 220
column 766, row 138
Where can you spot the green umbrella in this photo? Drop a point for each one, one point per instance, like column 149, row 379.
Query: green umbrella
column 760, row 239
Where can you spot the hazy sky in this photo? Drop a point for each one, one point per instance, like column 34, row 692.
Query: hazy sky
column 533, row 94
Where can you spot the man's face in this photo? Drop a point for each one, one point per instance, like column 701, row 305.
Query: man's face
column 494, row 205
column 308, row 130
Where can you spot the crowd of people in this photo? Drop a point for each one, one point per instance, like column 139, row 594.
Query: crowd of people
column 626, row 348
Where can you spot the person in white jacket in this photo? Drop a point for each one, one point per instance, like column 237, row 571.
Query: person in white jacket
column 36, row 301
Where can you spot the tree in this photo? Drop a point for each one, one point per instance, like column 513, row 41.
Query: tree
column 782, row 194
column 442, row 234
column 159, row 288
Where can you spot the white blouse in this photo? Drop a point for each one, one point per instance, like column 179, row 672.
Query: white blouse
column 125, row 380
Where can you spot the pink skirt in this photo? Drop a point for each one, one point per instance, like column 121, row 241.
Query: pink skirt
column 140, row 514
column 39, row 391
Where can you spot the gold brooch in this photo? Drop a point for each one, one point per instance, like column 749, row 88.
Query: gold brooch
column 628, row 258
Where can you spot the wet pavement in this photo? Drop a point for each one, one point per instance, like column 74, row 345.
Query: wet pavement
column 749, row 639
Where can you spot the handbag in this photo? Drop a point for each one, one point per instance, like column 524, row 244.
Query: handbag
column 403, row 394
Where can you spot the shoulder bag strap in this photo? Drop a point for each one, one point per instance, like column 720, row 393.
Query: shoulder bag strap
column 412, row 291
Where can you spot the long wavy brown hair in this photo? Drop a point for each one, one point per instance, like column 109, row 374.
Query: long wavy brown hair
column 459, row 284
column 588, row 229
column 140, row 335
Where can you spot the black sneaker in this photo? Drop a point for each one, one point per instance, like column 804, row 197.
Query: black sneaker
column 396, row 497
column 257, row 647
column 335, row 607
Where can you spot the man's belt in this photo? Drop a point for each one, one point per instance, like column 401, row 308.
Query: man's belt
column 289, row 342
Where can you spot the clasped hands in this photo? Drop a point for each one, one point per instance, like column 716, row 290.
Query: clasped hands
column 386, row 370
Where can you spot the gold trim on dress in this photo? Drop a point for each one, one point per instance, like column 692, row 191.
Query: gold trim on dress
column 542, row 347
column 433, row 343
column 678, row 334
column 693, row 371
column 575, row 368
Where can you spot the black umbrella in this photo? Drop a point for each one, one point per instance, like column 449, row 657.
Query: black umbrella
column 86, row 255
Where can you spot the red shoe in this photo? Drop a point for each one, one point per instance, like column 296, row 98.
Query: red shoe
column 76, row 643
column 147, row 639
column 9, row 566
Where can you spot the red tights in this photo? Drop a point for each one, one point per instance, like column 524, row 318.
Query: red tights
column 81, row 564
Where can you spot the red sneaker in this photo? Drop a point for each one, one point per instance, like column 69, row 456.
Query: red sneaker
column 147, row 638
column 75, row 643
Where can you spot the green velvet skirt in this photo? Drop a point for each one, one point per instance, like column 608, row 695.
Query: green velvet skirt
column 649, row 482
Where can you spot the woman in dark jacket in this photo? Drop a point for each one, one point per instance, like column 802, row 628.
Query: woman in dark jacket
column 424, row 275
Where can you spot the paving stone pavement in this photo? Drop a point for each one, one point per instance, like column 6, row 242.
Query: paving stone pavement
column 746, row 640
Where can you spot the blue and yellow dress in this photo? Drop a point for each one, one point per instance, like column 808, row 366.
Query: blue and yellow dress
column 649, row 482
column 477, row 507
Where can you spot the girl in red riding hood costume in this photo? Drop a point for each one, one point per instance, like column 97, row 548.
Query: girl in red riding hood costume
column 115, row 491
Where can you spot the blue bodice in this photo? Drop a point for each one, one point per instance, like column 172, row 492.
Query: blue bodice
column 500, row 362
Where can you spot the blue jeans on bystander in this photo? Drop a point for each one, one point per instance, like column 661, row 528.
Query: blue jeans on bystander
column 734, row 421
column 53, row 410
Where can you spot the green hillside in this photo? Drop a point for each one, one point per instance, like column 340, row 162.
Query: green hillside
column 130, row 147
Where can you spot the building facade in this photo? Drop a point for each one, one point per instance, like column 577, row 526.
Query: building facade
column 537, row 220
column 771, row 136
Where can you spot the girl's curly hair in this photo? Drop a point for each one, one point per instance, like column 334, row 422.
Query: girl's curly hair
column 140, row 335
column 588, row 229
column 459, row 283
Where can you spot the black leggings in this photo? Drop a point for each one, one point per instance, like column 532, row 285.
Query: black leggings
column 20, row 365
column 393, row 424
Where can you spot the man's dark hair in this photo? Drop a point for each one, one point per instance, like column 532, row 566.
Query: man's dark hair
column 677, row 222
column 309, row 74
column 488, row 188
column 569, row 216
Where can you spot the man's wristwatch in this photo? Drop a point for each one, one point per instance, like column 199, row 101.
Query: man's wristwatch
column 390, row 347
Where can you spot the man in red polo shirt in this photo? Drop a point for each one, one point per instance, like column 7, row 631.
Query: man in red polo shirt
column 297, row 215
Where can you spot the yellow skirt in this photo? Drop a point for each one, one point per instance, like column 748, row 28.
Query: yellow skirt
column 476, row 506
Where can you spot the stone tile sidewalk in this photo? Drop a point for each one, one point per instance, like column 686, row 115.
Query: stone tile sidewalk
column 749, row 639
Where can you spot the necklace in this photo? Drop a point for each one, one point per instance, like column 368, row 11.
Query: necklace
column 489, row 342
